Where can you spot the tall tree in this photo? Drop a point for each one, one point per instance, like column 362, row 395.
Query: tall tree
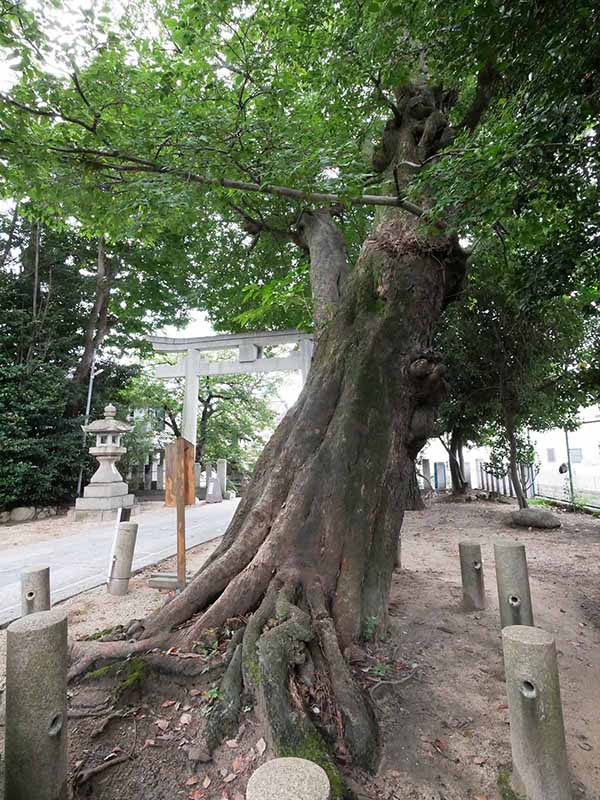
column 253, row 126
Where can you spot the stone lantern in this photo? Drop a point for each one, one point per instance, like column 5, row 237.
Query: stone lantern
column 106, row 491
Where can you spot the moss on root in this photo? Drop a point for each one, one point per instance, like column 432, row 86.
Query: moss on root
column 132, row 670
column 505, row 789
column 312, row 747
column 102, row 672
column 97, row 635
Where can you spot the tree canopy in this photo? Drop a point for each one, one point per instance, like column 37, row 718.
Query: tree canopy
column 142, row 126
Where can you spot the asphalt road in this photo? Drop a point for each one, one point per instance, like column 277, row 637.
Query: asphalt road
column 79, row 561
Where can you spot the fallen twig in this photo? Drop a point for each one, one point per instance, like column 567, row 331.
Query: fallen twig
column 84, row 776
column 393, row 683
column 115, row 715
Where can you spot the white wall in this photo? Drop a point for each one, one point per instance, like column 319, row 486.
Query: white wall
column 549, row 481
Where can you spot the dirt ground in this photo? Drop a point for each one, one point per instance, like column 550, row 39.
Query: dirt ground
column 437, row 681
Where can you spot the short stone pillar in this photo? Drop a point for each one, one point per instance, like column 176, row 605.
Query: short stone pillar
column 222, row 474
column 514, row 596
column 106, row 491
column 35, row 590
column 122, row 558
column 213, row 487
column 471, row 570
column 537, row 735
column 36, row 707
column 288, row 779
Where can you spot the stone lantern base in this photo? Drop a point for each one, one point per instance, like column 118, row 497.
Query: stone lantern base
column 103, row 500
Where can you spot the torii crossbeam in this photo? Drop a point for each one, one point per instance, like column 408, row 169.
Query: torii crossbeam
column 250, row 359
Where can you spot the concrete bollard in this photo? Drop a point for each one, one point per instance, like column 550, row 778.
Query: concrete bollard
column 35, row 590
column 122, row 559
column 514, row 596
column 288, row 779
column 222, row 473
column 36, row 707
column 537, row 735
column 471, row 570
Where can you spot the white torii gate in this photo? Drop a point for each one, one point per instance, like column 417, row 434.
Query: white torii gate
column 250, row 359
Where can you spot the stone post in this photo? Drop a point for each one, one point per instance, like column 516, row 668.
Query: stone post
column 471, row 570
column 288, row 779
column 222, row 473
column 537, row 735
column 122, row 559
column 189, row 421
column 36, row 707
column 35, row 590
column 514, row 596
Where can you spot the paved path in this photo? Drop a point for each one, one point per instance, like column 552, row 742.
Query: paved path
column 79, row 561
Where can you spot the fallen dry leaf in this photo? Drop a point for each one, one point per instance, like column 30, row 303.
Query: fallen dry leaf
column 206, row 782
column 163, row 724
column 192, row 780
column 185, row 719
column 229, row 778
column 479, row 760
column 261, row 746
column 197, row 794
column 237, row 764
column 232, row 743
column 195, row 692
column 167, row 703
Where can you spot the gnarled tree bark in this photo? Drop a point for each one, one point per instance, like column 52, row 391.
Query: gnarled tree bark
column 311, row 548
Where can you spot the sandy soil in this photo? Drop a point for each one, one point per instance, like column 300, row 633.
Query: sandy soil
column 447, row 734
column 437, row 681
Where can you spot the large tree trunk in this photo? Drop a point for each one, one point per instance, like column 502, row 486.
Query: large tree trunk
column 312, row 545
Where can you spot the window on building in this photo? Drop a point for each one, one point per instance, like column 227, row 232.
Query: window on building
column 551, row 453
column 576, row 455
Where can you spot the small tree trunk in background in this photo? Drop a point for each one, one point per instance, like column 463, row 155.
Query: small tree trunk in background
column 414, row 500
column 459, row 484
column 36, row 271
column 97, row 326
column 515, row 472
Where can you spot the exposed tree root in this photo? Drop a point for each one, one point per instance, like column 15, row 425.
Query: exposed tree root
column 224, row 719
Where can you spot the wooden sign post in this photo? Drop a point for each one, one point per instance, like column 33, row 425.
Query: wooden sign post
column 178, row 486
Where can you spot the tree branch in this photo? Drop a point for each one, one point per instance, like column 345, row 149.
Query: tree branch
column 328, row 263
column 142, row 165
column 381, row 95
column 488, row 81
column 42, row 112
